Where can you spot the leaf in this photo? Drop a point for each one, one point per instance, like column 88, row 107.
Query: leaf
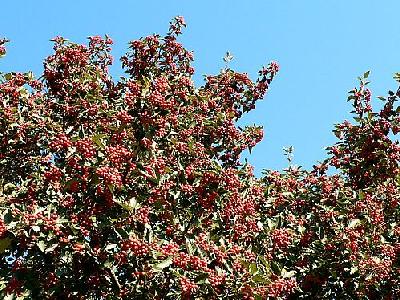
column 175, row 194
column 189, row 247
column 279, row 225
column 154, row 180
column 68, row 131
column 133, row 203
column 148, row 232
column 4, row 244
column 110, row 247
column 228, row 57
column 301, row 229
column 164, row 264
column 264, row 261
column 259, row 279
column 50, row 249
column 97, row 139
column 30, row 76
column 121, row 232
column 8, row 76
column 271, row 224
column 366, row 74
column 8, row 217
column 201, row 279
column 287, row 194
column 125, row 206
column 353, row 223
column 253, row 269
column 286, row 274
column 353, row 270
column 9, row 186
column 41, row 246
column 35, row 228
column 275, row 268
column 9, row 297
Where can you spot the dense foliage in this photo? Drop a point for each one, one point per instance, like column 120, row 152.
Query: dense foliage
column 134, row 189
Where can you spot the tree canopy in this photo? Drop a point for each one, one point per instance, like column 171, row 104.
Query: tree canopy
column 134, row 189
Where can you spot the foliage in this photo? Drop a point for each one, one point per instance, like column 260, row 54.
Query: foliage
column 134, row 189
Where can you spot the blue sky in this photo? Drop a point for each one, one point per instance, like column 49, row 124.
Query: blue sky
column 321, row 46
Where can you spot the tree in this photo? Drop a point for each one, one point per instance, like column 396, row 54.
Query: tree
column 134, row 189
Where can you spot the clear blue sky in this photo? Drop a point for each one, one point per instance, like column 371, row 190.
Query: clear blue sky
column 321, row 46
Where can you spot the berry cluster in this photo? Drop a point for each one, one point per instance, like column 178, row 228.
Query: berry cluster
column 3, row 228
column 86, row 148
column 135, row 246
column 61, row 142
column 111, row 176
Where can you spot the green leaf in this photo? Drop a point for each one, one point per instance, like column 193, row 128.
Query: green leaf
column 353, row 270
column 253, row 269
column 286, row 274
column 133, row 203
column 110, row 247
column 41, row 245
column 164, row 264
column 29, row 75
column 121, row 232
column 9, row 297
column 8, row 217
column 129, row 207
column 201, row 279
column 50, row 249
column 9, row 186
column 175, row 194
column 8, row 76
column 97, row 139
column 35, row 228
column 189, row 247
column 264, row 261
column 4, row 244
column 354, row 223
column 271, row 224
column 259, row 279
column 275, row 268
column 381, row 98
column 301, row 229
